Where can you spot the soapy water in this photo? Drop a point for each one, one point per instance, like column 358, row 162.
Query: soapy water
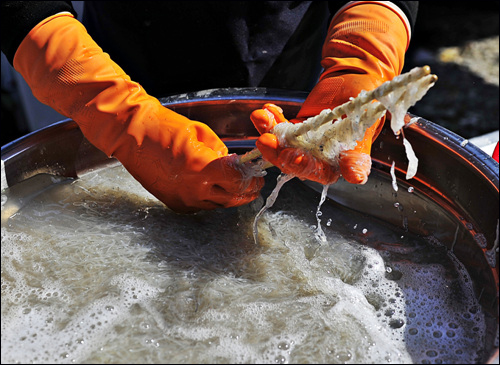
column 96, row 270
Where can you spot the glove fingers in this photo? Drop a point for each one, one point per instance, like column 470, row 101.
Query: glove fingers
column 307, row 167
column 266, row 118
column 269, row 146
column 213, row 196
column 355, row 166
column 296, row 162
column 276, row 111
column 220, row 197
column 222, row 183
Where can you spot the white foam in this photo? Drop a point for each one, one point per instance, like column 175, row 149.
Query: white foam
column 98, row 271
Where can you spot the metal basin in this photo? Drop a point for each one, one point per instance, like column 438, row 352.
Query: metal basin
column 454, row 196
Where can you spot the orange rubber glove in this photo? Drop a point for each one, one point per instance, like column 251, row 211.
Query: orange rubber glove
column 181, row 162
column 289, row 160
column 365, row 47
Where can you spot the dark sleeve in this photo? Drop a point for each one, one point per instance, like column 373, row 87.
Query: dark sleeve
column 410, row 8
column 17, row 18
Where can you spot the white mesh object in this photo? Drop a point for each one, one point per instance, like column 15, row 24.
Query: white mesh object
column 325, row 140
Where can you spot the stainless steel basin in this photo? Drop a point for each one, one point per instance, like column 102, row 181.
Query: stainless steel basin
column 454, row 196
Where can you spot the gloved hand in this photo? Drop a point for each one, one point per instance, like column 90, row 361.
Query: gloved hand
column 365, row 47
column 289, row 160
column 180, row 161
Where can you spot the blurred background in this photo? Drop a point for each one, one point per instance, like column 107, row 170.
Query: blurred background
column 459, row 40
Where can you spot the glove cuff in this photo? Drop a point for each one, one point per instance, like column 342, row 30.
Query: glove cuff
column 388, row 4
column 366, row 38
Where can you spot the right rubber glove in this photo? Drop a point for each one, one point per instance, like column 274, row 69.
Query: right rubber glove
column 180, row 161
column 365, row 47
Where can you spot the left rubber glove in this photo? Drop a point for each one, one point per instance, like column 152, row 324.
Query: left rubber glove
column 181, row 162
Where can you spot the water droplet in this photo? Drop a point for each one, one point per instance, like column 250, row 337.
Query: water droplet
column 410, row 189
column 481, row 240
column 365, row 230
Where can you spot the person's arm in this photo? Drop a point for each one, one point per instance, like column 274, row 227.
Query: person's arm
column 180, row 161
column 365, row 46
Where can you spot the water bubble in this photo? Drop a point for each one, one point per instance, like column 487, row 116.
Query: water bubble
column 365, row 230
column 343, row 356
column 437, row 334
column 431, row 353
column 283, row 345
column 410, row 189
column 413, row 331
column 280, row 360
column 396, row 323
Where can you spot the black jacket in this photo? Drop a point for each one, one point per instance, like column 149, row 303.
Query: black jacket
column 172, row 47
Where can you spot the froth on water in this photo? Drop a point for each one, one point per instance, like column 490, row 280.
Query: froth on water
column 96, row 270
